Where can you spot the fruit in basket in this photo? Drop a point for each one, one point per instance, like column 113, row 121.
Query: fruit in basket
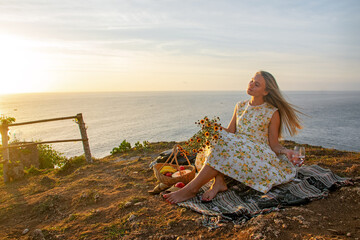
column 168, row 174
column 181, row 172
column 180, row 185
column 181, row 168
column 166, row 169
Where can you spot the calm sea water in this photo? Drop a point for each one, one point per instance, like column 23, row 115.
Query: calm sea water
column 333, row 120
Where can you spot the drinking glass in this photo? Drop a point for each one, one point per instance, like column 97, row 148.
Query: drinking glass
column 300, row 155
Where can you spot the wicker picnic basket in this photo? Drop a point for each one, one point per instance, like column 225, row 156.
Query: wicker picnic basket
column 185, row 178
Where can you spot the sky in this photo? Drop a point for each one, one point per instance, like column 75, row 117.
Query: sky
column 177, row 45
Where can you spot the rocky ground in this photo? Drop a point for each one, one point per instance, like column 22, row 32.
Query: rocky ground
column 109, row 199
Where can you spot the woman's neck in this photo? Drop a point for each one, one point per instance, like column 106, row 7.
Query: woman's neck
column 254, row 101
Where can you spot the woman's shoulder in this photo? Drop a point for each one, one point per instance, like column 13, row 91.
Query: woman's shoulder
column 270, row 106
column 271, row 109
column 241, row 104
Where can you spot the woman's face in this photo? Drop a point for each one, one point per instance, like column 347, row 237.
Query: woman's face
column 257, row 86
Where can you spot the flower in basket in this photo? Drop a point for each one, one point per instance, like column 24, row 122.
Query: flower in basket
column 207, row 136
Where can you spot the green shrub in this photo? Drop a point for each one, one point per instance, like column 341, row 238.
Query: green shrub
column 144, row 146
column 123, row 147
column 32, row 171
column 72, row 163
column 115, row 231
column 6, row 119
column 49, row 158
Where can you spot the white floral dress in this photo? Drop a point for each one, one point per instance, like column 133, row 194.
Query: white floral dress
column 246, row 155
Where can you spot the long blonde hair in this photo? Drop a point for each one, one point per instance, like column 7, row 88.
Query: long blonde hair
column 289, row 120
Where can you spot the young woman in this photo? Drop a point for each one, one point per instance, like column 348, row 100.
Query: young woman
column 248, row 148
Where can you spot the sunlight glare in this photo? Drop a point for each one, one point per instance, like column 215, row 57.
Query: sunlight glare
column 21, row 68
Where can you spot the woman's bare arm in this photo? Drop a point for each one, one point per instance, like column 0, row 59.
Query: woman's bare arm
column 232, row 125
column 274, row 137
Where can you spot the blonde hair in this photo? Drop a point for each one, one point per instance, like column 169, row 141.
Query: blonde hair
column 289, row 120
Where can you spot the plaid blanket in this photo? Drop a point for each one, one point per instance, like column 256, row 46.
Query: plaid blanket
column 240, row 203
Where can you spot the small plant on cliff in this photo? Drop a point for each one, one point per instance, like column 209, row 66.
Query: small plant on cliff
column 32, row 171
column 144, row 146
column 123, row 147
column 6, row 119
column 49, row 157
column 72, row 164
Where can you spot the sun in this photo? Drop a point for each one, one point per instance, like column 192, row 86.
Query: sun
column 22, row 68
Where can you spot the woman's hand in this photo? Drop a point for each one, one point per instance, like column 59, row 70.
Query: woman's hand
column 293, row 156
column 274, row 126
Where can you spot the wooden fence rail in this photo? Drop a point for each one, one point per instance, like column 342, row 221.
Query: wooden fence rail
column 5, row 139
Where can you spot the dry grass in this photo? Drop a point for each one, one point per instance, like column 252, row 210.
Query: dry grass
column 92, row 202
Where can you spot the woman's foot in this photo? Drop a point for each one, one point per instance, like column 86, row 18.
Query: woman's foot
column 218, row 186
column 179, row 196
column 192, row 188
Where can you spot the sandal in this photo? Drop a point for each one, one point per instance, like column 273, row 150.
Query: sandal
column 159, row 188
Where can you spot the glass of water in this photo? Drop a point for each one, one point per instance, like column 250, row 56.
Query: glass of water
column 300, row 155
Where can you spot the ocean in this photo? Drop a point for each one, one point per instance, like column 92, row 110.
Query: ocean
column 332, row 119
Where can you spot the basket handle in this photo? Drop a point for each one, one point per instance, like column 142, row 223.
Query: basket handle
column 185, row 155
column 178, row 148
column 173, row 154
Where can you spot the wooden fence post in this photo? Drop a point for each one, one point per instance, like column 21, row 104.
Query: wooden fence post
column 5, row 151
column 84, row 137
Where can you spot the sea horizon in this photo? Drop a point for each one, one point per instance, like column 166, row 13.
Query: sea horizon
column 112, row 117
column 143, row 91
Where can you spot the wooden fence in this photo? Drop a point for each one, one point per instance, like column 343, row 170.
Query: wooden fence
column 5, row 139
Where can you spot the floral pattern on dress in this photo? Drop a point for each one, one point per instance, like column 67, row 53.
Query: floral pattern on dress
column 246, row 155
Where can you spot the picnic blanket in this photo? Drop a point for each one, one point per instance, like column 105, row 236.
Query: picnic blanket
column 240, row 203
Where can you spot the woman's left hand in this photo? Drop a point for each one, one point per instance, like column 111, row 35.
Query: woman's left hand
column 293, row 157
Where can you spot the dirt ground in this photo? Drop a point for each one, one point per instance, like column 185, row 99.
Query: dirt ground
column 109, row 199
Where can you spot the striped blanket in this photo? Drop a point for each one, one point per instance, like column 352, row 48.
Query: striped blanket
column 240, row 203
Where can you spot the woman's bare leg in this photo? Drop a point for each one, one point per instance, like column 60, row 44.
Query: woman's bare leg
column 191, row 189
column 218, row 186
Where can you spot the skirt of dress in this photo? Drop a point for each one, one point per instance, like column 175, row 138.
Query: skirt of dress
column 247, row 160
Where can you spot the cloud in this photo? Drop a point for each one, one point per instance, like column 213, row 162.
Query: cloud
column 101, row 35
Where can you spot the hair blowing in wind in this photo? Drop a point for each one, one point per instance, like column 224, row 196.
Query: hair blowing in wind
column 288, row 112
